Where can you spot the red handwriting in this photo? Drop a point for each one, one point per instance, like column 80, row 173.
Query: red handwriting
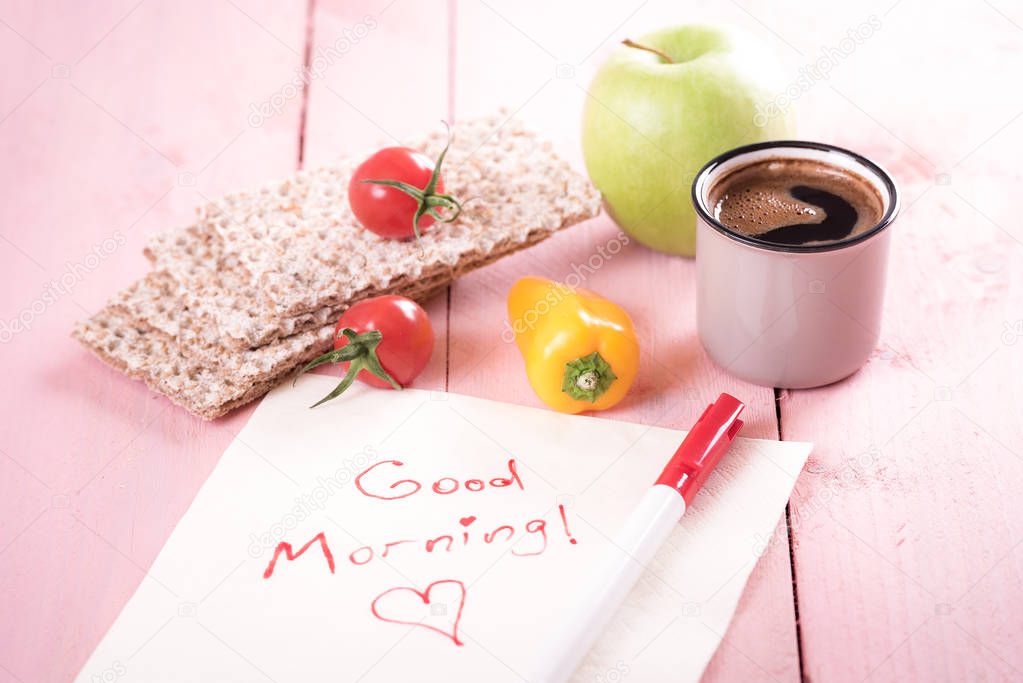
column 531, row 542
column 394, row 606
column 489, row 538
column 369, row 555
column 431, row 543
column 383, row 484
column 535, row 526
column 403, row 488
column 564, row 522
column 284, row 547
column 535, row 530
column 388, row 546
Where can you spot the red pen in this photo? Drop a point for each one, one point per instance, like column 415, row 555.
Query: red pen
column 639, row 540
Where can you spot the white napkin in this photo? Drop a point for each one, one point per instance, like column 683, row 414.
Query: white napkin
column 518, row 503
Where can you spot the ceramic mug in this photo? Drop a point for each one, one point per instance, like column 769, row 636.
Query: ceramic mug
column 790, row 316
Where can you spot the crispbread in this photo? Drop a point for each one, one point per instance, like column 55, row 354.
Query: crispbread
column 148, row 333
column 291, row 254
column 211, row 276
column 154, row 301
column 145, row 332
column 202, row 331
column 150, row 355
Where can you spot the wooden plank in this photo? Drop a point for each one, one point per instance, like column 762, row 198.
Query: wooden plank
column 906, row 524
column 119, row 119
column 676, row 379
column 378, row 79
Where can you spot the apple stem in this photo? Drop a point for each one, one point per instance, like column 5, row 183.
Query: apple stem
column 663, row 55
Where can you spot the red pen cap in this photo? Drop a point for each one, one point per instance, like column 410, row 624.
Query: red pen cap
column 703, row 446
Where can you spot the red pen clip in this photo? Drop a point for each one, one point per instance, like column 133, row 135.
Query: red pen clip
column 703, row 447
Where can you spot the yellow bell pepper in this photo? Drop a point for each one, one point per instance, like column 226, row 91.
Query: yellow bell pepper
column 580, row 350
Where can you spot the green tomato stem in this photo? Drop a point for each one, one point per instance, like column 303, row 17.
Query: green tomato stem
column 427, row 199
column 360, row 353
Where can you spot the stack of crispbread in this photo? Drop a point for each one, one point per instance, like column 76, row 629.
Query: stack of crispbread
column 251, row 291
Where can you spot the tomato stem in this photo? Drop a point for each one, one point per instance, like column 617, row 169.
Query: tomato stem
column 428, row 199
column 360, row 353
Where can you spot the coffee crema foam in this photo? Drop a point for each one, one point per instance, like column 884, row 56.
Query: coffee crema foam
column 796, row 202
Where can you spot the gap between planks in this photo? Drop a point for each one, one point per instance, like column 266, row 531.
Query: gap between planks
column 307, row 51
column 451, row 7
column 792, row 552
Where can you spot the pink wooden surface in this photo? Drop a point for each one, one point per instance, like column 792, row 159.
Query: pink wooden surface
column 116, row 121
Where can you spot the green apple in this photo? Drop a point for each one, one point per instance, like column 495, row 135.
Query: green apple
column 660, row 108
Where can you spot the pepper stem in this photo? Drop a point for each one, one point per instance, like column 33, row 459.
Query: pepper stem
column 360, row 353
column 588, row 377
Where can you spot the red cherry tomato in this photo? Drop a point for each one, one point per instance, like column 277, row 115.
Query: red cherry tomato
column 407, row 342
column 385, row 342
column 386, row 210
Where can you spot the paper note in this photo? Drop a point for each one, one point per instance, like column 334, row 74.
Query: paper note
column 429, row 536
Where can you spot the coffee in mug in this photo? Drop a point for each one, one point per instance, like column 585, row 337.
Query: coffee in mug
column 796, row 201
column 791, row 256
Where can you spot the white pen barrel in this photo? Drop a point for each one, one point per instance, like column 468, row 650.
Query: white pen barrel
column 611, row 581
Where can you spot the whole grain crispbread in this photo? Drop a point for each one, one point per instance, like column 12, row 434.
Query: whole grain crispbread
column 154, row 301
column 291, row 254
column 150, row 355
column 147, row 333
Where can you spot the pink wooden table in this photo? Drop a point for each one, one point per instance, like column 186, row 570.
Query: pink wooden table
column 900, row 556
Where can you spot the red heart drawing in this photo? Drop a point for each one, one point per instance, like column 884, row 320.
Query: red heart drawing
column 424, row 596
column 466, row 521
